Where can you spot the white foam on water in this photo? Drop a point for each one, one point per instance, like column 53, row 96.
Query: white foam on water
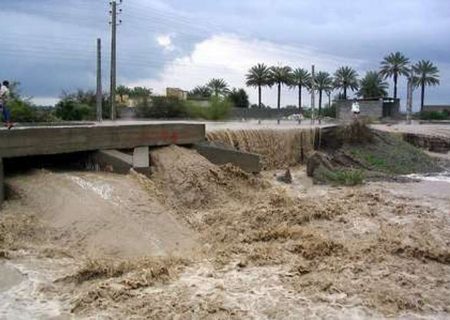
column 26, row 300
column 104, row 190
column 438, row 177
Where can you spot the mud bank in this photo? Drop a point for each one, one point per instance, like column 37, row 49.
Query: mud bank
column 257, row 248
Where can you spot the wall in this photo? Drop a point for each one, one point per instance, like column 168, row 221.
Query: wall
column 372, row 109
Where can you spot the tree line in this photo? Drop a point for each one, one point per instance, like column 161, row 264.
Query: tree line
column 373, row 85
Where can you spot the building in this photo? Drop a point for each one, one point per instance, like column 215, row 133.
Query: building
column 176, row 93
column 374, row 109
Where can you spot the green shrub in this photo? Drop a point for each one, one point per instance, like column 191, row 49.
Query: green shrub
column 218, row 109
column 21, row 111
column 162, row 108
column 24, row 111
column 435, row 115
column 71, row 110
column 330, row 111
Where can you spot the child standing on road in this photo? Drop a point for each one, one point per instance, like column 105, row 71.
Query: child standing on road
column 4, row 97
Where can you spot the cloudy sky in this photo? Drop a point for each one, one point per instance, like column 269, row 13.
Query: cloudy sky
column 49, row 45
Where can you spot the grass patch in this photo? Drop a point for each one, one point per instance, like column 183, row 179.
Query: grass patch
column 343, row 177
column 390, row 154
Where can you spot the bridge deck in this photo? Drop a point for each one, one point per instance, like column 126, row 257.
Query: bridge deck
column 29, row 141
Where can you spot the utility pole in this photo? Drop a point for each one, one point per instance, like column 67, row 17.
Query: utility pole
column 409, row 99
column 313, row 93
column 99, row 80
column 114, row 24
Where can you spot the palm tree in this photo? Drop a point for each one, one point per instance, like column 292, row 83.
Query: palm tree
column 300, row 79
column 323, row 83
column 218, row 87
column 200, row 92
column 425, row 74
column 394, row 65
column 346, row 78
column 280, row 75
column 258, row 76
column 372, row 86
column 122, row 91
column 140, row 92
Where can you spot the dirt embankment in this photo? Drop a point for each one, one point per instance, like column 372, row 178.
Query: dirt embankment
column 360, row 152
column 265, row 253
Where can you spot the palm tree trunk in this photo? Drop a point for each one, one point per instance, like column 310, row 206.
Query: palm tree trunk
column 300, row 99
column 329, row 100
column 395, row 86
column 320, row 102
column 422, row 97
column 259, row 96
column 279, row 102
column 345, row 93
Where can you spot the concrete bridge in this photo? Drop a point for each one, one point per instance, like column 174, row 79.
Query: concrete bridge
column 105, row 140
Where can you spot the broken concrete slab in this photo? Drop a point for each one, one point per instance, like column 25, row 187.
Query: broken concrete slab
column 220, row 155
column 113, row 161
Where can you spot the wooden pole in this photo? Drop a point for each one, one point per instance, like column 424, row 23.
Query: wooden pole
column 113, row 58
column 313, row 93
column 99, row 80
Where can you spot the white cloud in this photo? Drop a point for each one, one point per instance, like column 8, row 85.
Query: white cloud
column 165, row 41
column 229, row 57
column 44, row 101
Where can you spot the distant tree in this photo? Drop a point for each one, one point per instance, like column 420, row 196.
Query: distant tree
column 346, row 78
column 161, row 108
column 74, row 106
column 393, row 66
column 200, row 92
column 258, row 76
column 425, row 74
column 219, row 87
column 372, row 86
column 300, row 79
column 324, row 83
column 140, row 92
column 122, row 91
column 239, row 98
column 280, row 76
column 71, row 110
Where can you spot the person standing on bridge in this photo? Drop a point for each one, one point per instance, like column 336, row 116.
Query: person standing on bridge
column 4, row 97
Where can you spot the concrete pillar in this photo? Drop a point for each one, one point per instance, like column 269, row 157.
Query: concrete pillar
column 2, row 185
column 141, row 160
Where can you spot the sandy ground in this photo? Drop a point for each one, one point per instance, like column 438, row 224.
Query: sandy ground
column 199, row 241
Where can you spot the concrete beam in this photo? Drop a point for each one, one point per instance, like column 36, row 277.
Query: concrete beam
column 221, row 155
column 54, row 140
column 113, row 160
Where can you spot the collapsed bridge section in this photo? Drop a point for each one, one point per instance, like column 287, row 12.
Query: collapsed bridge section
column 106, row 141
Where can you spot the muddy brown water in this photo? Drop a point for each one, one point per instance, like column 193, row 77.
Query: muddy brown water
column 92, row 215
